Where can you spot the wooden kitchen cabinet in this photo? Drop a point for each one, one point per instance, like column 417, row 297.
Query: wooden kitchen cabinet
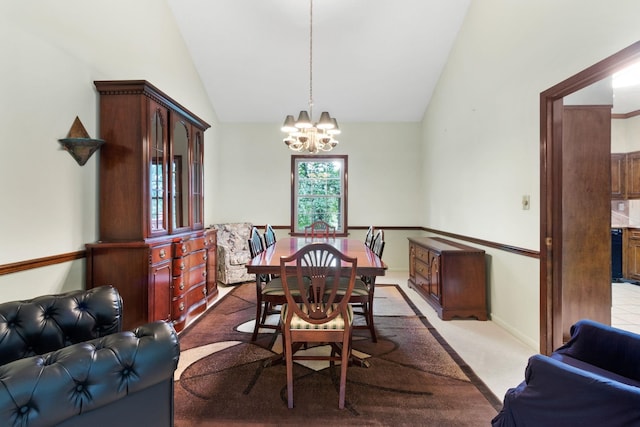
column 151, row 237
column 633, row 175
column 631, row 253
column 625, row 175
column 449, row 276
column 618, row 175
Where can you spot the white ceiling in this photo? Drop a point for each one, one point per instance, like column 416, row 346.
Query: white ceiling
column 373, row 60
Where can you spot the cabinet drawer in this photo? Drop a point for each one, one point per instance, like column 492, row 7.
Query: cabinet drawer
column 186, row 263
column 179, row 286
column 422, row 280
column 197, row 275
column 183, row 304
column 422, row 254
column 422, row 269
column 160, row 254
column 185, row 247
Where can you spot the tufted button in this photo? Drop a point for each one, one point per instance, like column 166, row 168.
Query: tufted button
column 24, row 409
column 79, row 388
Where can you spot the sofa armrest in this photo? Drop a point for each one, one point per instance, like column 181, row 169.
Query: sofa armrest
column 50, row 322
column 603, row 346
column 555, row 393
column 47, row 389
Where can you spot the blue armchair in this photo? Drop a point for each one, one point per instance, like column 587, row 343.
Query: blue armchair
column 594, row 379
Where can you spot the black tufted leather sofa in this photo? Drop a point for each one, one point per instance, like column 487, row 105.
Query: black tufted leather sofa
column 64, row 362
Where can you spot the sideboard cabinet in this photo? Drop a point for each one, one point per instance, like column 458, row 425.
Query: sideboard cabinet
column 152, row 244
column 449, row 276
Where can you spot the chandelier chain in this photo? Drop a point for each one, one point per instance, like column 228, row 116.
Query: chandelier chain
column 311, row 58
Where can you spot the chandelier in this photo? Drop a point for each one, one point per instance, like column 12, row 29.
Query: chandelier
column 302, row 133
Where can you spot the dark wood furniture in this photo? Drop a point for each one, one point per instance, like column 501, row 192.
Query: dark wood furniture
column 153, row 247
column 584, row 267
column 370, row 265
column 316, row 311
column 633, row 175
column 625, row 175
column 269, row 236
column 268, row 262
column 319, row 229
column 631, row 251
column 618, row 176
column 365, row 287
column 269, row 292
column 449, row 276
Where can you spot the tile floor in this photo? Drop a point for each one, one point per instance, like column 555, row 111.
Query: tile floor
column 495, row 355
column 625, row 310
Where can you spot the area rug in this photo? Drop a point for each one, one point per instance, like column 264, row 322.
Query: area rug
column 413, row 377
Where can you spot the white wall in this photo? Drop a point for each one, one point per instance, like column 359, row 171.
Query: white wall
column 254, row 167
column 625, row 135
column 51, row 52
column 482, row 128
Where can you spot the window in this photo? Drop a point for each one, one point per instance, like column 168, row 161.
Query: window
column 318, row 192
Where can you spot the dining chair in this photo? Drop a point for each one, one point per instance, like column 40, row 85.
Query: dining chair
column 269, row 236
column 368, row 240
column 317, row 312
column 319, row 229
column 364, row 290
column 269, row 292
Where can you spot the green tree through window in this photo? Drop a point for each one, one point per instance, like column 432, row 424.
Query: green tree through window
column 319, row 191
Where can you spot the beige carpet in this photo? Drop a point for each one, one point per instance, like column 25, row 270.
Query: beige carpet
column 414, row 377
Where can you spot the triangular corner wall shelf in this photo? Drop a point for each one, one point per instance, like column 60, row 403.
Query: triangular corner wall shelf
column 79, row 144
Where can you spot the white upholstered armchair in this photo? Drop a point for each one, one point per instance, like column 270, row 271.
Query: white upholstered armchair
column 233, row 252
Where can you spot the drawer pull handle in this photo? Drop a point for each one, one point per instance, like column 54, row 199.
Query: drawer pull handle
column 181, row 286
column 204, row 274
column 181, row 306
column 182, row 266
column 162, row 253
column 204, row 291
column 184, row 248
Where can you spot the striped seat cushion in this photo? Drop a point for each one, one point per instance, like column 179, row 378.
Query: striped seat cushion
column 274, row 287
column 335, row 324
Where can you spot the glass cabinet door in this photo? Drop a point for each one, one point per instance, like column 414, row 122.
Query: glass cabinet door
column 197, row 170
column 157, row 171
column 179, row 176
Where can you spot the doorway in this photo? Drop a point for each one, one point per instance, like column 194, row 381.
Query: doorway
column 557, row 215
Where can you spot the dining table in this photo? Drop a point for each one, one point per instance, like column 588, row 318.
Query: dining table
column 368, row 263
column 268, row 262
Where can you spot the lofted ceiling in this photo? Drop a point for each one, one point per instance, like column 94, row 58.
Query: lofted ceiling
column 373, row 60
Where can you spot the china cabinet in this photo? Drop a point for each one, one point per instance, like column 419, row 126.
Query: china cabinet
column 152, row 243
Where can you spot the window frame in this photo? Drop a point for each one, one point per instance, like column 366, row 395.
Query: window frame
column 344, row 159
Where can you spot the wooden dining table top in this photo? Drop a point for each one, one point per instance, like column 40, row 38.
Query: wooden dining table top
column 268, row 262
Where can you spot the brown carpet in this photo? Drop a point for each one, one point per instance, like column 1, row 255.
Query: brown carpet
column 414, row 377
